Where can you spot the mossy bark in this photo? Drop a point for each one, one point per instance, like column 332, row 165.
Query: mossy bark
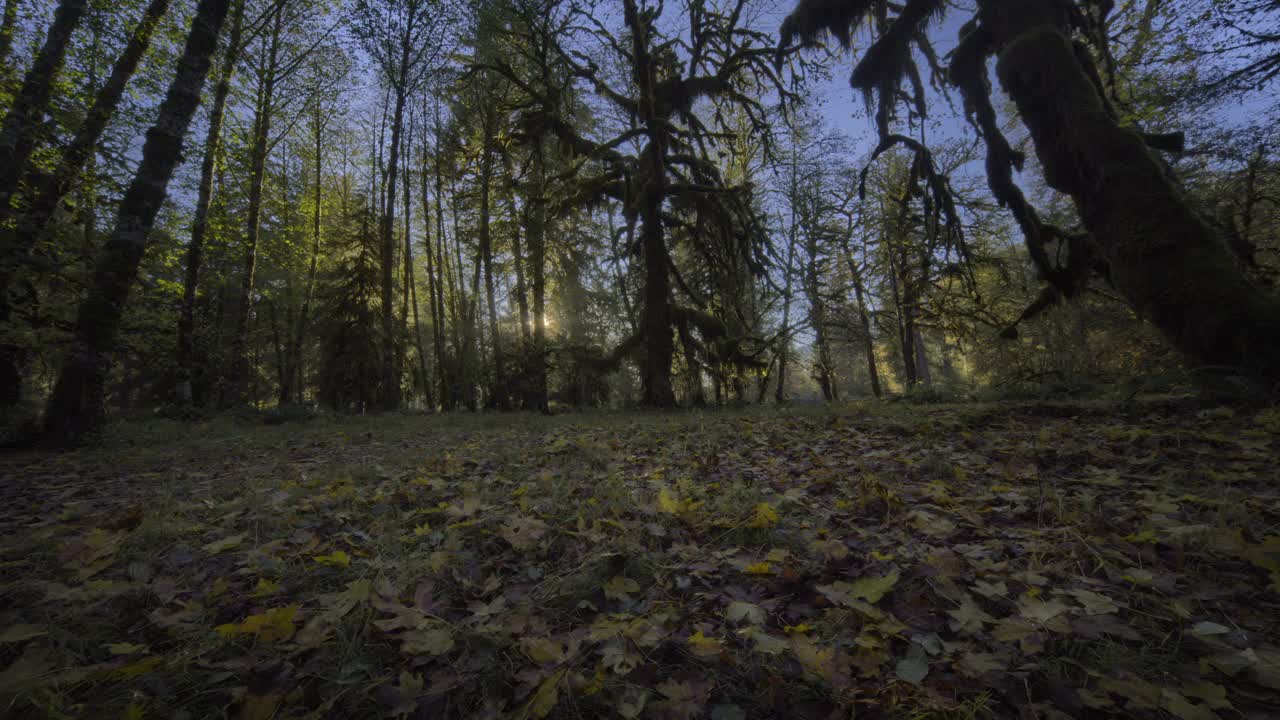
column 1162, row 255
column 75, row 408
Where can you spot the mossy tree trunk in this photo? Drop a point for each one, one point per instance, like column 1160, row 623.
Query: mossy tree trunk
column 75, row 408
column 1162, row 256
column 18, row 139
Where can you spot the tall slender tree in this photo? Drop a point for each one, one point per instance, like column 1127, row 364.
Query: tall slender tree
column 43, row 191
column 75, row 408
column 194, row 256
column 405, row 40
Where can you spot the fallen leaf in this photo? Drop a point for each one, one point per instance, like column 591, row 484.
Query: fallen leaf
column 18, row 633
column 338, row 558
column 739, row 611
column 703, row 646
column 230, row 542
column 764, row 517
column 542, row 650
column 544, row 699
column 914, row 667
column 620, row 588
column 275, row 624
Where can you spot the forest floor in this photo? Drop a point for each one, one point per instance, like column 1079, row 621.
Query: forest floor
column 875, row 560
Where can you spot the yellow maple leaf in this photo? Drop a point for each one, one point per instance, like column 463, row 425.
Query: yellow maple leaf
column 816, row 660
column 760, row 568
column 544, row 699
column 274, row 624
column 703, row 646
column 667, row 502
column 265, row 588
column 339, row 558
column 765, row 517
column 542, row 650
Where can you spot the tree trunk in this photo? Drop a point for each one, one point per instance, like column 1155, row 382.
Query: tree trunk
column 873, row 372
column 447, row 400
column 465, row 316
column 407, row 291
column 694, row 394
column 21, row 130
column 200, row 221
column 75, row 408
column 433, row 307
column 390, row 379
column 824, row 372
column 793, row 229
column 18, row 138
column 900, row 285
column 656, row 315
column 522, row 301
column 1161, row 254
column 423, row 378
column 304, row 313
column 500, row 384
column 864, row 317
column 784, row 351
column 536, row 389
column 923, row 374
column 253, row 227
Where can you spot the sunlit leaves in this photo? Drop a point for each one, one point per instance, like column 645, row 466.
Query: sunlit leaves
column 265, row 588
column 868, row 589
column 649, row 602
column 670, row 504
column 127, row 649
column 337, row 558
column 273, row 625
column 763, row 517
column 704, row 646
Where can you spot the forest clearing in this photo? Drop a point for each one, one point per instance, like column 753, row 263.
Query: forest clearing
column 641, row 359
column 982, row 560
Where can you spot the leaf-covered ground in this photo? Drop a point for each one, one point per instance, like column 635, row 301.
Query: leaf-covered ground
column 875, row 561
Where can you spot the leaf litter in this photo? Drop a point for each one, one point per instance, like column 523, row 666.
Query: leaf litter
column 877, row 561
